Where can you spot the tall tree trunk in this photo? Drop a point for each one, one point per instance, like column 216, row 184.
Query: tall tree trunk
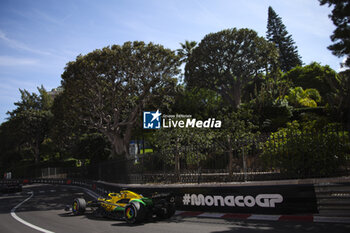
column 36, row 152
column 120, row 144
column 237, row 95
column 120, row 147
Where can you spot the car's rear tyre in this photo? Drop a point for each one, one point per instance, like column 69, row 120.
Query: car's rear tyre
column 170, row 211
column 134, row 213
column 78, row 206
column 167, row 211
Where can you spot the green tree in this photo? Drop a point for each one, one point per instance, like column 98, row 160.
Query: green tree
column 9, row 147
column 186, row 50
column 322, row 78
column 195, row 145
column 227, row 60
column 235, row 135
column 266, row 101
column 91, row 147
column 72, row 139
column 66, row 129
column 341, row 19
column 277, row 33
column 108, row 88
column 188, row 144
column 198, row 102
column 31, row 120
column 339, row 99
column 305, row 151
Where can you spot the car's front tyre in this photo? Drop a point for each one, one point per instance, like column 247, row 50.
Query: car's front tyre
column 78, row 206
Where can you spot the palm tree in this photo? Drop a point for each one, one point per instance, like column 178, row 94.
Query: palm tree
column 186, row 50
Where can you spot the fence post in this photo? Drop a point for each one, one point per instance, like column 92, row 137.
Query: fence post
column 230, row 158
column 244, row 165
column 199, row 168
column 177, row 160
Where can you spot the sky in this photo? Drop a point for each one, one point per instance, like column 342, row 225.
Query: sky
column 39, row 37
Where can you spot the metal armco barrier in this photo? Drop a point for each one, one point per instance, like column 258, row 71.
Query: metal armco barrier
column 322, row 198
column 333, row 199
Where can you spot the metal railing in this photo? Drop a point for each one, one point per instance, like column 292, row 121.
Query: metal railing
column 333, row 199
column 287, row 155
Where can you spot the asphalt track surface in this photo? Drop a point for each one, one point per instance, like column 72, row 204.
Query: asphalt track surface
column 45, row 204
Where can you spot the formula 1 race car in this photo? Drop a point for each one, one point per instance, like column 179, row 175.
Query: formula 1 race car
column 132, row 207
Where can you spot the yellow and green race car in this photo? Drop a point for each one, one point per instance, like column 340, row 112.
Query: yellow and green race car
column 128, row 205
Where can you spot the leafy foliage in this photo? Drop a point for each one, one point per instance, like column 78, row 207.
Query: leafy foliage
column 301, row 151
column 186, row 50
column 232, row 75
column 270, row 109
column 92, row 147
column 341, row 19
column 303, row 98
column 108, row 88
column 227, row 60
column 198, row 102
column 194, row 145
column 9, row 146
column 339, row 100
column 31, row 120
column 237, row 126
column 321, row 78
column 189, row 144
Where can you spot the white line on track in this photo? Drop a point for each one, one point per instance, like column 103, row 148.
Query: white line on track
column 13, row 214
